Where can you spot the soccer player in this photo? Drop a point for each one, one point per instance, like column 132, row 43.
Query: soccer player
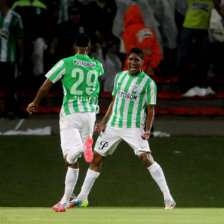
column 79, row 75
column 129, row 117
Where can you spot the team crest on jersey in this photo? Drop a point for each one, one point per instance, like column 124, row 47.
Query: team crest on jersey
column 135, row 88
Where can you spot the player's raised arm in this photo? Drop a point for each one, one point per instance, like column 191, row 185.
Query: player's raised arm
column 43, row 90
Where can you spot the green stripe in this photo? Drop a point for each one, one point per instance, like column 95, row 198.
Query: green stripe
column 141, row 98
column 131, row 105
column 85, row 106
column 92, row 107
column 66, row 109
column 75, row 106
column 149, row 101
column 126, row 88
column 116, row 103
column 155, row 91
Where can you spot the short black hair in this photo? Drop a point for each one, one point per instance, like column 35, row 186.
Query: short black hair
column 137, row 51
column 82, row 40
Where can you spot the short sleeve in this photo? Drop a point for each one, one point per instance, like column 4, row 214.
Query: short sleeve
column 56, row 72
column 151, row 93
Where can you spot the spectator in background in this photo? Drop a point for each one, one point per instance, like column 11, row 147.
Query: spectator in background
column 63, row 10
column 195, row 28
column 217, row 44
column 35, row 21
column 66, row 32
column 136, row 34
column 112, row 65
column 11, row 37
column 100, row 14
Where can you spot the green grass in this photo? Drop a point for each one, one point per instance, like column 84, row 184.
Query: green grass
column 32, row 174
column 113, row 215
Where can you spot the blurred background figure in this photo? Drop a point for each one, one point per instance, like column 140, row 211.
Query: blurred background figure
column 63, row 14
column 216, row 32
column 100, row 15
column 112, row 64
column 65, row 33
column 35, row 20
column 11, row 38
column 195, row 31
column 136, row 34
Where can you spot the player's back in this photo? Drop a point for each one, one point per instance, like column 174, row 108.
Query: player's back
column 80, row 83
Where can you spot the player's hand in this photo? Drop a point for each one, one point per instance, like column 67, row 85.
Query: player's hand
column 98, row 127
column 32, row 107
column 145, row 135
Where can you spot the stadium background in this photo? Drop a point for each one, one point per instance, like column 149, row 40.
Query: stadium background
column 32, row 170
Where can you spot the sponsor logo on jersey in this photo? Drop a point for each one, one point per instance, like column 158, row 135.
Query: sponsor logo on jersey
column 128, row 96
column 135, row 88
column 85, row 64
column 142, row 34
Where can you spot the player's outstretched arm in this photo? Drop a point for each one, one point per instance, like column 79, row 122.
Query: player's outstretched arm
column 43, row 90
column 100, row 126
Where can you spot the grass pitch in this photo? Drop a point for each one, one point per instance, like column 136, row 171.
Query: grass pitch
column 32, row 173
column 105, row 215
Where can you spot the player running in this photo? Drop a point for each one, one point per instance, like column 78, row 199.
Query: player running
column 79, row 75
column 129, row 117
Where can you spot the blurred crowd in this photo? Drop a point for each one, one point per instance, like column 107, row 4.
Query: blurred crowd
column 178, row 37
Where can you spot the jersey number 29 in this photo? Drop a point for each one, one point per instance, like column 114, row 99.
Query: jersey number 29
column 91, row 79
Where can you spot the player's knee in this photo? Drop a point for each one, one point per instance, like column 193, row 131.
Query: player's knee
column 146, row 158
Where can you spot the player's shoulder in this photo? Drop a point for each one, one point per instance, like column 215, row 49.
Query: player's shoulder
column 125, row 72
column 148, row 78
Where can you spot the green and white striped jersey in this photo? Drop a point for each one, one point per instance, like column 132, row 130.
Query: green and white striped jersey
column 132, row 95
column 79, row 75
column 11, row 29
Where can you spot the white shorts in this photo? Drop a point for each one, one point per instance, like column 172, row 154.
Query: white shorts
column 109, row 139
column 74, row 129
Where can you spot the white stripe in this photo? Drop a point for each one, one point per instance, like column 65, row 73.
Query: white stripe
column 4, row 40
column 135, row 109
column 127, row 102
column 70, row 106
column 60, row 74
column 80, row 106
column 120, row 99
column 62, row 112
column 113, row 111
column 152, row 93
column 54, row 69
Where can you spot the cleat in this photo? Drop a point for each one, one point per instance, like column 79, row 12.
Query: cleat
column 88, row 154
column 59, row 207
column 169, row 205
column 78, row 203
